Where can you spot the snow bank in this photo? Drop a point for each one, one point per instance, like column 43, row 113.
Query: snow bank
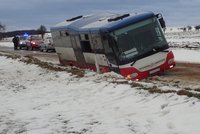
column 6, row 44
column 185, row 45
column 187, row 56
column 35, row 100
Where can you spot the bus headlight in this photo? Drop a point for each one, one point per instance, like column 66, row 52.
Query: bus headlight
column 170, row 61
column 131, row 76
column 171, row 66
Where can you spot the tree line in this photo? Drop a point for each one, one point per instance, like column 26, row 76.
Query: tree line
column 2, row 29
column 189, row 28
column 41, row 30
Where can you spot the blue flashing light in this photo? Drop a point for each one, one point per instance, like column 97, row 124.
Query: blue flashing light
column 26, row 35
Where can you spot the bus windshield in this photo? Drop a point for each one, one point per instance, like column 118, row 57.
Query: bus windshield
column 138, row 40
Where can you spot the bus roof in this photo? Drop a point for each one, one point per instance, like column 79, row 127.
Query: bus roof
column 96, row 22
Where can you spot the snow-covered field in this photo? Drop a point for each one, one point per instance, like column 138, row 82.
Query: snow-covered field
column 189, row 56
column 39, row 101
column 185, row 45
column 6, row 44
column 188, row 39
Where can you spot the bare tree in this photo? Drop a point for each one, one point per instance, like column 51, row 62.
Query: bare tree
column 183, row 28
column 42, row 30
column 2, row 29
column 197, row 27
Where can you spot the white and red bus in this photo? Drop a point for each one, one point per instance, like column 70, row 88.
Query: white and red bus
column 132, row 45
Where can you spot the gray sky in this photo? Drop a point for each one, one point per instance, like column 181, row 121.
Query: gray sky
column 30, row 14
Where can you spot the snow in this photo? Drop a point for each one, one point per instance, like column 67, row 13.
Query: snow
column 9, row 39
column 185, row 45
column 6, row 44
column 35, row 100
column 189, row 56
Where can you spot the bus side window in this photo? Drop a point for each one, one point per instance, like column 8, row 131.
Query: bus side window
column 85, row 46
column 66, row 33
column 96, row 44
column 62, row 33
column 85, row 43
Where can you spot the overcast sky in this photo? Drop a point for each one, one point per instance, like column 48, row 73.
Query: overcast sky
column 30, row 14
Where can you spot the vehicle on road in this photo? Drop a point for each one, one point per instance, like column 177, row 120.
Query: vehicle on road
column 132, row 45
column 47, row 45
column 23, row 42
column 34, row 42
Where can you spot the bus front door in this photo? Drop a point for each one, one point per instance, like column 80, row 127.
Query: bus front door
column 77, row 50
column 111, row 56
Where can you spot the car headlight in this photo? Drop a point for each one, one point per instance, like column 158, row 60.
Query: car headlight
column 170, row 61
column 32, row 42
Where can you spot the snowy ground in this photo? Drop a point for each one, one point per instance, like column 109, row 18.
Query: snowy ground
column 6, row 44
column 188, row 40
column 184, row 55
column 185, row 45
column 39, row 101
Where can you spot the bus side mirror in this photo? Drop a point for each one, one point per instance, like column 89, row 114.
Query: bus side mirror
column 161, row 20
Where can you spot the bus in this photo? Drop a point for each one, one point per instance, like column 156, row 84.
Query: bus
column 132, row 45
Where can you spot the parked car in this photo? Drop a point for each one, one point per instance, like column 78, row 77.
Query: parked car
column 47, row 45
column 34, row 42
column 23, row 42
